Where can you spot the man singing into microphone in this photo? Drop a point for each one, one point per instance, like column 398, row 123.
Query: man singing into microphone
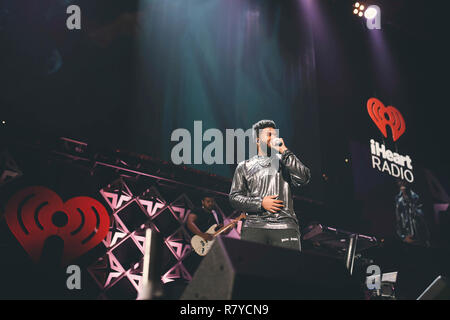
column 262, row 188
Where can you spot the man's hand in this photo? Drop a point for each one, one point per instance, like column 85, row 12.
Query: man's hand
column 207, row 236
column 281, row 149
column 271, row 204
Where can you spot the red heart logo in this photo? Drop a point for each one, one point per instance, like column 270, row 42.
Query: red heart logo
column 35, row 213
column 383, row 117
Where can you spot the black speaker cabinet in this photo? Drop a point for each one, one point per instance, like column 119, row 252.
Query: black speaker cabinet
column 237, row 269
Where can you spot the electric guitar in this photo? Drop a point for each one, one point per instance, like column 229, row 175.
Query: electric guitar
column 202, row 246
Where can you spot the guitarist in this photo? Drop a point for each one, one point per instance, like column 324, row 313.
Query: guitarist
column 201, row 219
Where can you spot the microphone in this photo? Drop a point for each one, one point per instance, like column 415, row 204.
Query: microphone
column 277, row 142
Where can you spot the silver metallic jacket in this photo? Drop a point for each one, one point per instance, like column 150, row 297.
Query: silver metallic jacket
column 257, row 178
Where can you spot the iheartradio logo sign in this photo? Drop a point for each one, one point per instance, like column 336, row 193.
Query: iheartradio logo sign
column 386, row 116
column 392, row 163
column 383, row 159
column 36, row 213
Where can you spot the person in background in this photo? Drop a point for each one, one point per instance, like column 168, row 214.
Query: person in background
column 411, row 225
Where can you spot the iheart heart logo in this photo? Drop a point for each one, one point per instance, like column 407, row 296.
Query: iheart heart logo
column 386, row 116
column 36, row 213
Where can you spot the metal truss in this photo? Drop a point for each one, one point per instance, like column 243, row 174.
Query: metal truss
column 128, row 235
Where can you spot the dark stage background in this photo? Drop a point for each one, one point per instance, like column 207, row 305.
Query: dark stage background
column 137, row 70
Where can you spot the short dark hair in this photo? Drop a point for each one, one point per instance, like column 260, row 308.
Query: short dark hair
column 262, row 125
column 208, row 195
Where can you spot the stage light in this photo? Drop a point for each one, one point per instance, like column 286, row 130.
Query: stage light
column 370, row 13
column 373, row 17
column 3, row 122
column 359, row 9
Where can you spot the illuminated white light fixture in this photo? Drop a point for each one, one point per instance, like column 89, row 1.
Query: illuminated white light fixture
column 373, row 16
column 370, row 13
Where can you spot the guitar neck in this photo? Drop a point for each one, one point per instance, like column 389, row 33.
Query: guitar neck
column 223, row 229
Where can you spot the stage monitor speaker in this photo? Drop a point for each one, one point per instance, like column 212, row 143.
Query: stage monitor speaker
column 237, row 269
column 437, row 290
